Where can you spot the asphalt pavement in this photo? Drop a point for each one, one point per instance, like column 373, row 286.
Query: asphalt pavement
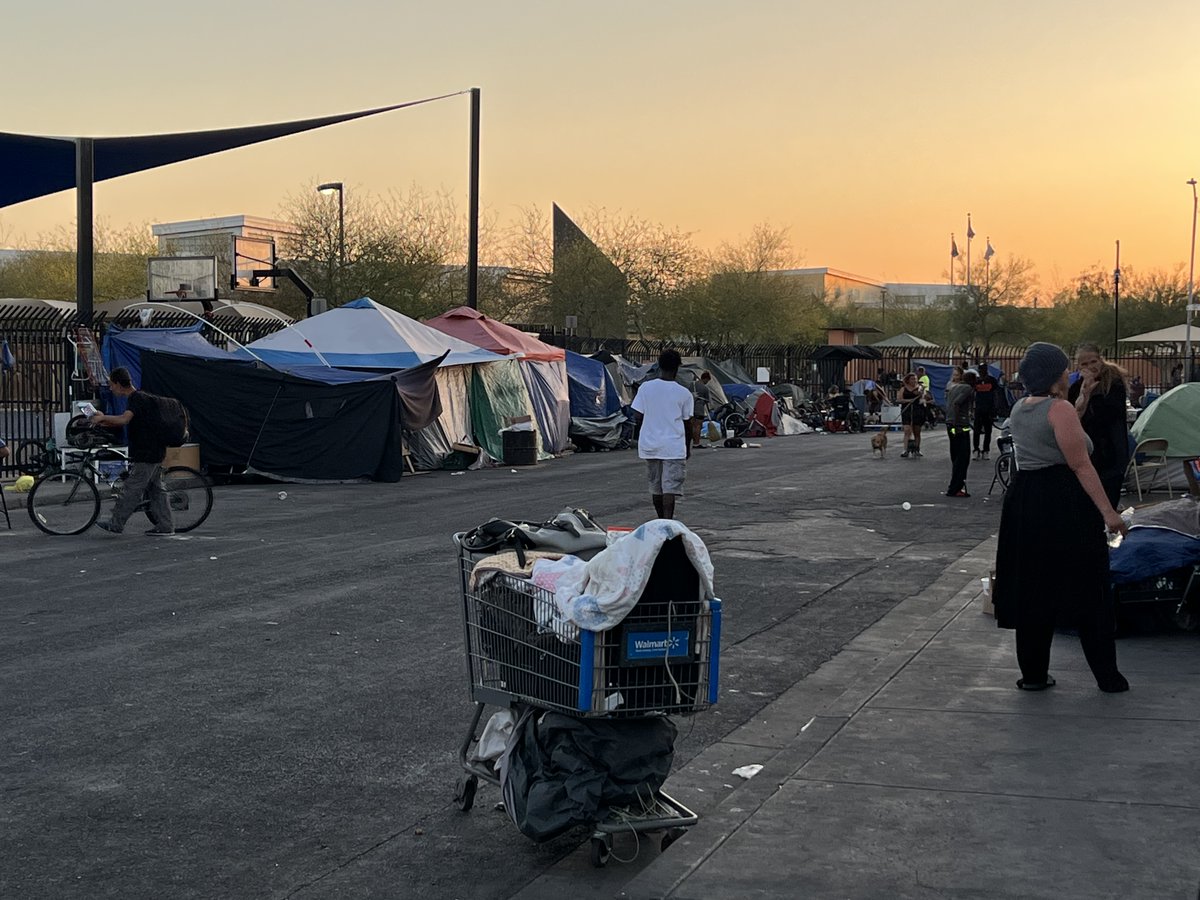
column 271, row 706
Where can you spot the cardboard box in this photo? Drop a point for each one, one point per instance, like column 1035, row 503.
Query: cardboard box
column 187, row 455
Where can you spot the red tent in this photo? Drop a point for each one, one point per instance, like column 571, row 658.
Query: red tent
column 474, row 327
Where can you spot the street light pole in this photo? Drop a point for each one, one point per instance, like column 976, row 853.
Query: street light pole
column 329, row 188
column 473, row 206
column 1191, row 289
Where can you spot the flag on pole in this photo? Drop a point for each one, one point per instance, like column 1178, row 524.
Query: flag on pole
column 989, row 253
column 970, row 230
column 953, row 248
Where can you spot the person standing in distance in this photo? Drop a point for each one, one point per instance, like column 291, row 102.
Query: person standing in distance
column 987, row 395
column 704, row 399
column 665, row 411
column 146, row 453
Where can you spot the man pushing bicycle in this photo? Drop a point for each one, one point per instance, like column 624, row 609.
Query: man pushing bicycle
column 147, row 450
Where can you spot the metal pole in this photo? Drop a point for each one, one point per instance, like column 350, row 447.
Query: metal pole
column 952, row 249
column 84, row 228
column 341, row 240
column 1191, row 289
column 473, row 208
column 1117, row 300
column 969, row 231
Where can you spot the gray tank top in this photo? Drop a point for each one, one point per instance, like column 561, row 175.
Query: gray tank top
column 1033, row 436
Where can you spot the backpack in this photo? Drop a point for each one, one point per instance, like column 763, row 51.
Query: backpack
column 172, row 425
column 571, row 531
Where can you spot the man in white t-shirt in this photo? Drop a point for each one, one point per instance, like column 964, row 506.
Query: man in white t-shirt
column 665, row 407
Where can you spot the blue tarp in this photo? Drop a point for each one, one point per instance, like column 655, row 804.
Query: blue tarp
column 1147, row 552
column 939, row 376
column 739, row 391
column 124, row 346
column 544, row 380
column 591, row 389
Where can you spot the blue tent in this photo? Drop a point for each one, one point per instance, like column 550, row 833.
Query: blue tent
column 592, row 391
column 124, row 346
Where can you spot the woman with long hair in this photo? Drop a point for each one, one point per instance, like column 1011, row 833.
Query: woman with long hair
column 1052, row 556
column 912, row 414
column 1099, row 397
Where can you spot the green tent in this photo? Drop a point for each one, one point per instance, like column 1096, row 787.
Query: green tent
column 1174, row 416
column 498, row 395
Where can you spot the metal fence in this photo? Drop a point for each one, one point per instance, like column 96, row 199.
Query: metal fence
column 41, row 372
column 45, row 373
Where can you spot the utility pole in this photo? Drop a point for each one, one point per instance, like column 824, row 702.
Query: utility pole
column 473, row 210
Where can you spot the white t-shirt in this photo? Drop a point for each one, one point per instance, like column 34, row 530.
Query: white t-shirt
column 665, row 407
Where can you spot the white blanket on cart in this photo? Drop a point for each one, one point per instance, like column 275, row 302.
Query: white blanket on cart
column 598, row 594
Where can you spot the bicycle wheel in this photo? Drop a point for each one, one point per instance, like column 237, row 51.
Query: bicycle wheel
column 63, row 503
column 31, row 457
column 190, row 496
column 1004, row 469
column 737, row 423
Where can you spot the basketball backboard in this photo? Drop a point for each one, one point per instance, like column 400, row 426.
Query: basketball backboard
column 250, row 254
column 173, row 278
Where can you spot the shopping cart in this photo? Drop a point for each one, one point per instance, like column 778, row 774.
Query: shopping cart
column 662, row 659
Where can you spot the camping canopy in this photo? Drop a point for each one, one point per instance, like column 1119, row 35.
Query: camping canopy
column 1174, row 416
column 905, row 341
column 1176, row 334
column 364, row 335
column 831, row 361
column 543, row 367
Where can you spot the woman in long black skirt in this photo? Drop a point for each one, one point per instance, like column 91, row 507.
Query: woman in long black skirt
column 1052, row 556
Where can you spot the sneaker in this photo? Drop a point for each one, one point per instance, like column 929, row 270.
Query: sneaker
column 985, row 455
column 904, row 455
column 918, row 453
column 155, row 531
column 959, row 494
column 107, row 525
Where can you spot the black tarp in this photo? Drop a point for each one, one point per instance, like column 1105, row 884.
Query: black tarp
column 561, row 771
column 246, row 416
column 831, row 361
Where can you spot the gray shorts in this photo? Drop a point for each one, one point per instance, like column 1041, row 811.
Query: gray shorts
column 666, row 476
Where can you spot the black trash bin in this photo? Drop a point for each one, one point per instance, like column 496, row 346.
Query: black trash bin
column 520, row 448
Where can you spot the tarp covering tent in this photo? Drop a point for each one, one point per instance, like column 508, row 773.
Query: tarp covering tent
column 124, row 346
column 905, row 341
column 1175, row 417
column 363, row 334
column 592, row 391
column 249, row 417
column 624, row 373
column 543, row 367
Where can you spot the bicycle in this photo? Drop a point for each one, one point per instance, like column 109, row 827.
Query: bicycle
column 1006, row 464
column 67, row 499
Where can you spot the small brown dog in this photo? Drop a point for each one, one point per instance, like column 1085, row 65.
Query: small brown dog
column 879, row 443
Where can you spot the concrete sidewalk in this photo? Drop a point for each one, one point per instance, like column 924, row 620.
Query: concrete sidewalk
column 909, row 765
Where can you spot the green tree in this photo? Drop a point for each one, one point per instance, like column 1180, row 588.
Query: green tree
column 993, row 310
column 47, row 271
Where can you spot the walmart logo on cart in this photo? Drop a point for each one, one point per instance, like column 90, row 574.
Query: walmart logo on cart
column 654, row 645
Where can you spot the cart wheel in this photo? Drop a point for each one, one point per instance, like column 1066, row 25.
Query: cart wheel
column 464, row 792
column 1180, row 614
column 670, row 836
column 601, row 851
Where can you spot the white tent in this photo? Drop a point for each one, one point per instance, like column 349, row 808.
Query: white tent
column 364, row 335
column 1176, row 334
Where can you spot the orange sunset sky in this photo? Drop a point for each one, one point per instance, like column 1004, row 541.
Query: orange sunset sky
column 869, row 129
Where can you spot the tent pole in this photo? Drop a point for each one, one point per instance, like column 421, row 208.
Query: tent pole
column 85, row 151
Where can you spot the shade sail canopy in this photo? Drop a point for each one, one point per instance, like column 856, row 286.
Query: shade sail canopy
column 363, row 334
column 905, row 341
column 475, row 328
column 1176, row 334
column 34, row 166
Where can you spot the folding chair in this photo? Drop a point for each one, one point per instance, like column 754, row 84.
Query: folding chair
column 1152, row 455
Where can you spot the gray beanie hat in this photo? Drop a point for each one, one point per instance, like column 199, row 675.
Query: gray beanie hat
column 1042, row 366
